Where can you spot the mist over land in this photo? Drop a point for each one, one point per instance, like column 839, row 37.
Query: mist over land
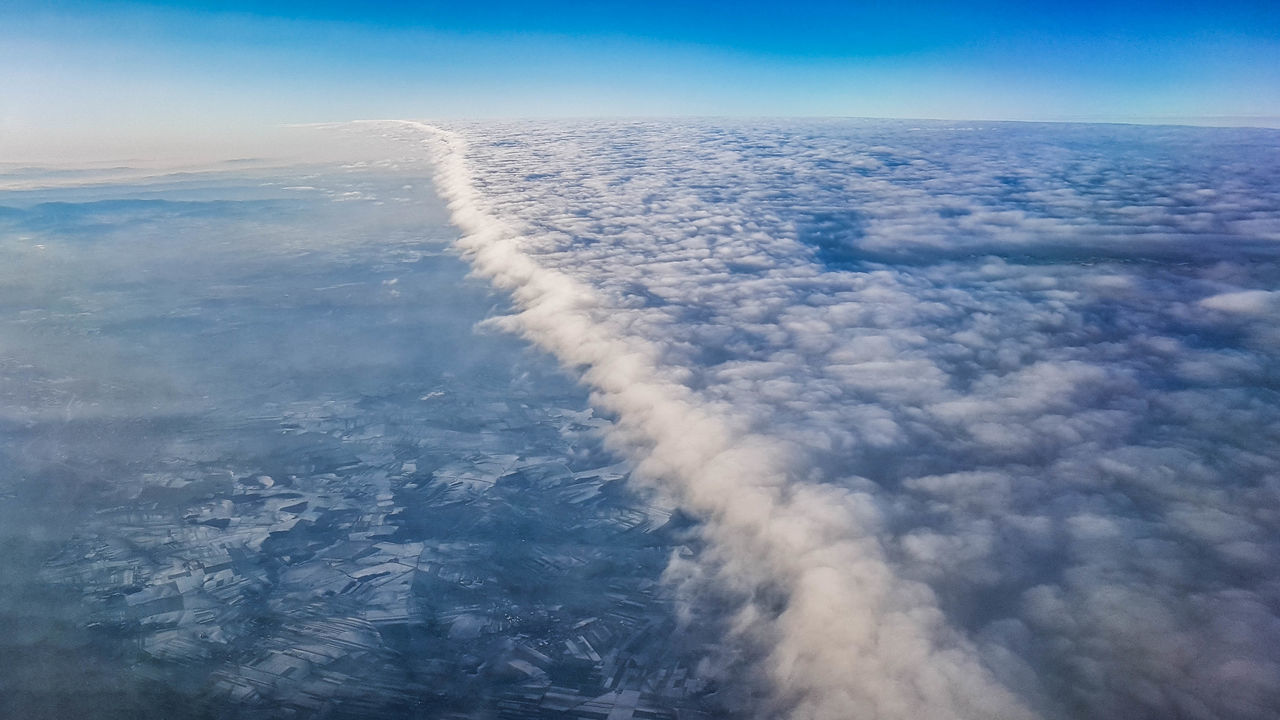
column 262, row 461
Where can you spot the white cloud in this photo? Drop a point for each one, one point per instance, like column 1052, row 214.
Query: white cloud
column 1244, row 302
column 964, row 433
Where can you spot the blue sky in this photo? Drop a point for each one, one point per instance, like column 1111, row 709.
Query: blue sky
column 118, row 78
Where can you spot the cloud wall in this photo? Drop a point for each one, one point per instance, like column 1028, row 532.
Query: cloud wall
column 979, row 419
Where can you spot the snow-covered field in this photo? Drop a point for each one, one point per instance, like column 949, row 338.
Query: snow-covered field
column 981, row 419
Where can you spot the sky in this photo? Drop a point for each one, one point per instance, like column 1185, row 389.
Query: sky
column 116, row 80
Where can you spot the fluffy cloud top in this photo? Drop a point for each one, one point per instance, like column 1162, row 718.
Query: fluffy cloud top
column 980, row 420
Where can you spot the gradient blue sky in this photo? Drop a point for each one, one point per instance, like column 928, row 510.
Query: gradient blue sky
column 117, row 79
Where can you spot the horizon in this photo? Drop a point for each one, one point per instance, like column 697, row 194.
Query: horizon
column 192, row 156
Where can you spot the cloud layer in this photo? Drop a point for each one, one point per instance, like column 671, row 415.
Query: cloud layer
column 980, row 419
